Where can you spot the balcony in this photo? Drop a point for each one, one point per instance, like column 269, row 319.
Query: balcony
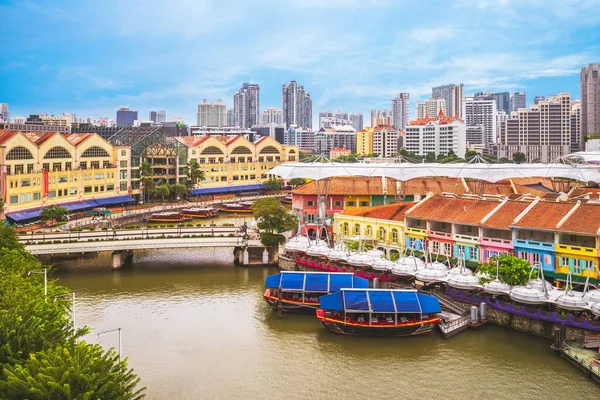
column 577, row 250
column 496, row 242
column 459, row 237
column 440, row 234
column 534, row 244
column 415, row 231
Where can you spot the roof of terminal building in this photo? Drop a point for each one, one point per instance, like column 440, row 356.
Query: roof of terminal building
column 454, row 209
column 392, row 212
column 350, row 186
column 544, row 215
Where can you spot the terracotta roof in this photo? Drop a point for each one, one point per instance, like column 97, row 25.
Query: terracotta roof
column 45, row 137
column 546, row 182
column 340, row 149
column 443, row 120
column 261, row 139
column 585, row 219
column 6, row 134
column 351, row 186
column 77, row 138
column 497, row 188
column 544, row 215
column 452, row 209
column 433, row 185
column 505, row 215
column 392, row 212
column 531, row 190
column 233, row 139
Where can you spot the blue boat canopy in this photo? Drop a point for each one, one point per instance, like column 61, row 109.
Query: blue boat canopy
column 315, row 281
column 380, row 300
column 227, row 189
column 112, row 201
column 80, row 205
column 25, row 215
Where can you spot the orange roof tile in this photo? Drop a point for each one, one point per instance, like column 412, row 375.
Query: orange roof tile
column 6, row 134
column 452, row 209
column 505, row 215
column 391, row 212
column 585, row 219
column 350, row 186
column 433, row 185
column 261, row 139
column 544, row 215
column 45, row 137
column 76, row 138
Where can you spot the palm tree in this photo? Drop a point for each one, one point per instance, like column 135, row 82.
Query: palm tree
column 195, row 174
column 146, row 177
column 178, row 190
column 163, row 191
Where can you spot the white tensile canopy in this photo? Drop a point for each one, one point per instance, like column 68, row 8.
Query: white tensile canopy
column 406, row 171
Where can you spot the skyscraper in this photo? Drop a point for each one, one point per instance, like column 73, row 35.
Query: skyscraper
column 453, row 94
column 537, row 99
column 400, row 111
column 518, row 100
column 246, row 105
column 126, row 116
column 502, row 99
column 214, row 115
column 383, row 117
column 230, row 117
column 431, row 108
column 478, row 111
column 4, row 113
column 590, row 100
column 296, row 106
column 272, row 116
column 356, row 120
column 161, row 117
column 576, row 141
column 328, row 118
column 153, row 117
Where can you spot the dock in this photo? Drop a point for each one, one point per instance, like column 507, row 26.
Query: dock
column 455, row 316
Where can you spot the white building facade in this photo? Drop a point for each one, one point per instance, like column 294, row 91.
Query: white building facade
column 436, row 135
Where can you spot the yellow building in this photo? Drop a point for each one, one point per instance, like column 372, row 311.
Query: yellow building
column 364, row 141
column 40, row 169
column 235, row 161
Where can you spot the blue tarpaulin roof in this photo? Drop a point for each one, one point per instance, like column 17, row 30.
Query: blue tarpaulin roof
column 80, row 205
column 227, row 189
column 110, row 201
column 380, row 300
column 315, row 281
column 24, row 215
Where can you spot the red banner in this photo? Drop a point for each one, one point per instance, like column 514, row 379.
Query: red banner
column 45, row 183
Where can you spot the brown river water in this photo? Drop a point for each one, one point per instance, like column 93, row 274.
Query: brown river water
column 196, row 327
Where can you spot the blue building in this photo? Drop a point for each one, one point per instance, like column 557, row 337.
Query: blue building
column 126, row 116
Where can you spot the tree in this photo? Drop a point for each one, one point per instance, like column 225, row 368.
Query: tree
column 273, row 217
column 163, row 191
column 519, row 157
column 430, row 157
column 195, row 174
column 81, row 371
column 273, row 184
column 296, row 181
column 53, row 213
column 512, row 270
column 178, row 190
column 146, row 176
column 470, row 154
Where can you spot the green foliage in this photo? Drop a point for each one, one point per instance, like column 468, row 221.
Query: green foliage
column 519, row 157
column 146, row 177
column 273, row 184
column 512, row 270
column 271, row 239
column 163, row 191
column 350, row 158
column 53, row 213
column 9, row 239
column 272, row 216
column 81, row 371
column 353, row 245
column 297, row 181
column 178, row 190
column 194, row 175
column 430, row 157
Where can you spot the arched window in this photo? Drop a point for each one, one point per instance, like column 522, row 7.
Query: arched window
column 241, row 150
column 292, row 151
column 357, row 229
column 369, row 230
column 269, row 150
column 95, row 151
column 382, row 234
column 19, row 153
column 212, row 150
column 345, row 229
column 57, row 152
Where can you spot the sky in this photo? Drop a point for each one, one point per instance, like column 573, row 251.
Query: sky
column 89, row 57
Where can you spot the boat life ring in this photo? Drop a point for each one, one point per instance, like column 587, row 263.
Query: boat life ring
column 347, row 319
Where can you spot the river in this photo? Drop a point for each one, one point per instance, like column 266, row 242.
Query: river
column 195, row 327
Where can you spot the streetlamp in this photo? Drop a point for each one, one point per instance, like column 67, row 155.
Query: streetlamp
column 72, row 308
column 109, row 331
column 45, row 272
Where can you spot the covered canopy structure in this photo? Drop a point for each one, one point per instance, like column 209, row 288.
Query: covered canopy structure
column 407, row 171
column 380, row 301
column 314, row 281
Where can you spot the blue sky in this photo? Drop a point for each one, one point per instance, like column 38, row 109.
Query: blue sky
column 90, row 57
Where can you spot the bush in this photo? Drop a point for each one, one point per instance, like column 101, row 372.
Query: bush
column 271, row 239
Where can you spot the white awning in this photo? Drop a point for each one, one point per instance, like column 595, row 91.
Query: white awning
column 406, row 171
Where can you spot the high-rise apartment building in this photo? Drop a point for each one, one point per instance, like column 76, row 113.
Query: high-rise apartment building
column 230, row 117
column 153, row 117
column 542, row 133
column 272, row 116
column 364, row 141
column 478, row 111
column 518, row 100
column 590, row 100
column 436, row 135
column 340, row 136
column 356, row 120
column 214, row 115
column 400, row 106
column 537, row 99
column 161, row 117
column 304, row 138
column 4, row 113
column 502, row 99
column 387, row 141
column 328, row 118
column 453, row 94
column 381, row 117
column 296, row 106
column 246, row 105
column 430, row 108
column 126, row 116
column 576, row 141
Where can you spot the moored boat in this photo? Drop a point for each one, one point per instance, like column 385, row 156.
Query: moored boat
column 200, row 212
column 299, row 291
column 379, row 312
column 287, row 199
column 241, row 207
column 168, row 216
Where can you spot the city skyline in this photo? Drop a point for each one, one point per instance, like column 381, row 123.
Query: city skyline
column 91, row 72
